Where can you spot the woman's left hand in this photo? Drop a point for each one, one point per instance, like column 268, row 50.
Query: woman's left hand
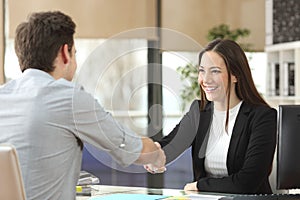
column 191, row 187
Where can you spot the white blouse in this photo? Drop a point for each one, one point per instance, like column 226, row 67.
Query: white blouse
column 218, row 142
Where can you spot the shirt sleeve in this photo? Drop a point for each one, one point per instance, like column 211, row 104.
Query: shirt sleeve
column 93, row 125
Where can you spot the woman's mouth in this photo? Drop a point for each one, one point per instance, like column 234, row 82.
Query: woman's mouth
column 210, row 89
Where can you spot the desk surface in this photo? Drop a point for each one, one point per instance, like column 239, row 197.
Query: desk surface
column 104, row 190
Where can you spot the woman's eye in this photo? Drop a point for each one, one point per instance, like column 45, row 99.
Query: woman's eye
column 215, row 71
column 200, row 70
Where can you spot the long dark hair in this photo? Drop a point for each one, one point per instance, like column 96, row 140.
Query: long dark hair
column 236, row 64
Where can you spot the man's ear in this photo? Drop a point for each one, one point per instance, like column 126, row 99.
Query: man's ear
column 65, row 53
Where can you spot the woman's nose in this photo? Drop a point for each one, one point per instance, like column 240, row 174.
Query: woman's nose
column 205, row 77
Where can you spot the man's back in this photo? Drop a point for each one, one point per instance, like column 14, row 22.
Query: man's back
column 35, row 114
column 47, row 117
column 47, row 120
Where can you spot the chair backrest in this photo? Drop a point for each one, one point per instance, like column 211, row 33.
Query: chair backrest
column 11, row 182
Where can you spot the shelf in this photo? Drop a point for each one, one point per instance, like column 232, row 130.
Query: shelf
column 283, row 46
column 283, row 76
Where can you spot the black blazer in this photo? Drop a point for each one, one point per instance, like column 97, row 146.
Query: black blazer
column 250, row 154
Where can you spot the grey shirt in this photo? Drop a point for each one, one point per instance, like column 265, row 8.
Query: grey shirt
column 43, row 117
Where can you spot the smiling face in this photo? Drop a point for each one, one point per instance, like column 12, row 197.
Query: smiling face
column 213, row 78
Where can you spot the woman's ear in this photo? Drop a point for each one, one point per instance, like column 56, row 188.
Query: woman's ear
column 65, row 54
column 234, row 79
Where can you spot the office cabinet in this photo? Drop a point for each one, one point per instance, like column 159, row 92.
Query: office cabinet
column 283, row 73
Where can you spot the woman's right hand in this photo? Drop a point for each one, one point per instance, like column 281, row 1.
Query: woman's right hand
column 152, row 169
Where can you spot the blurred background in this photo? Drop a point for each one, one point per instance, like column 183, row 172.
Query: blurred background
column 129, row 55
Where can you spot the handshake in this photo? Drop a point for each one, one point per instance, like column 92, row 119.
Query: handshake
column 152, row 156
column 159, row 165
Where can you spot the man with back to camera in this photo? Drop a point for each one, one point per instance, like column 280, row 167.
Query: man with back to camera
column 47, row 117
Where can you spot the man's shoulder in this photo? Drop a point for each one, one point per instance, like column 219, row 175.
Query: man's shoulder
column 68, row 85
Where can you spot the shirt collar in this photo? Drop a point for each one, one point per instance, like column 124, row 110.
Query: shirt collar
column 37, row 72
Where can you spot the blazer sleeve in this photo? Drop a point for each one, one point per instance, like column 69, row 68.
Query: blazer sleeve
column 182, row 136
column 250, row 155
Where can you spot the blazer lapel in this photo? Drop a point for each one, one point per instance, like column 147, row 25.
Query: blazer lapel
column 203, row 129
column 239, row 125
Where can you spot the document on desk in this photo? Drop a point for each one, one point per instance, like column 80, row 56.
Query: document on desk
column 129, row 197
column 157, row 197
column 207, row 197
column 195, row 197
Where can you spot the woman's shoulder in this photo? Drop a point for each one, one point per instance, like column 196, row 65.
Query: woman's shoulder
column 258, row 108
column 195, row 108
column 197, row 103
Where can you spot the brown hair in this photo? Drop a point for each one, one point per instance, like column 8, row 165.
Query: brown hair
column 38, row 41
column 236, row 64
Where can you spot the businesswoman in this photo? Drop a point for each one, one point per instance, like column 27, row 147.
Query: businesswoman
column 232, row 130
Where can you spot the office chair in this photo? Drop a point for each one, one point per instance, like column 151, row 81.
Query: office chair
column 11, row 182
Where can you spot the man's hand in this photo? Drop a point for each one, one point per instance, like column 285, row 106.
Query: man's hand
column 152, row 154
